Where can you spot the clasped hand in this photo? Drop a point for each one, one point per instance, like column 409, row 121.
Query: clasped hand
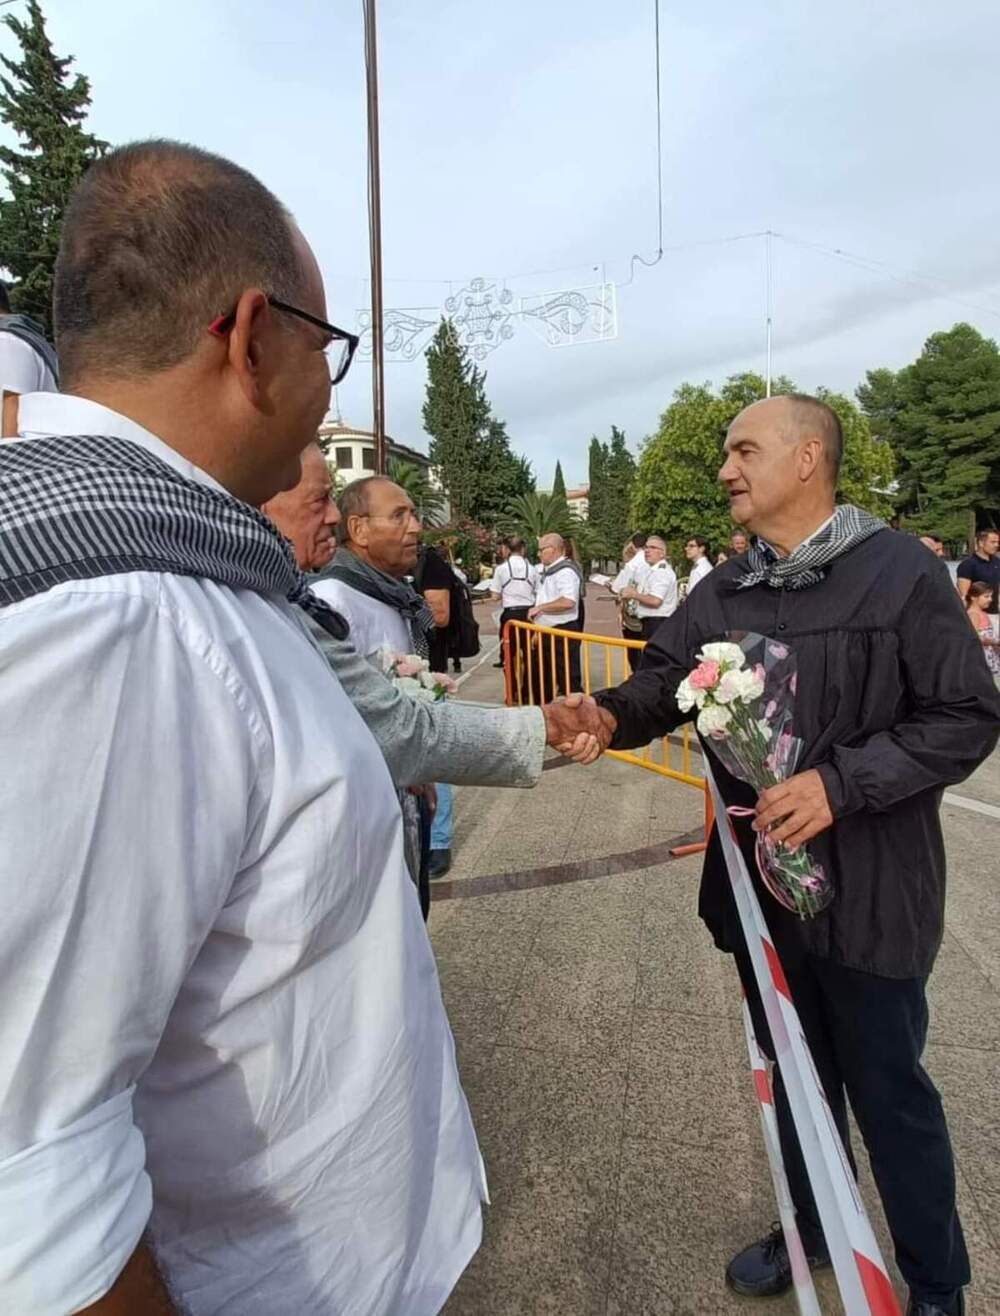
column 578, row 727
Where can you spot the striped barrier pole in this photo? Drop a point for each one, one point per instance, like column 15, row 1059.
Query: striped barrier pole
column 805, row 1291
column 861, row 1274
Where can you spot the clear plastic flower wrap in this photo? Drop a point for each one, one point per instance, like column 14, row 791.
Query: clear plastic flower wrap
column 744, row 690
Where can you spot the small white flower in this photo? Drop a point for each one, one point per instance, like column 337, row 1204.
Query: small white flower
column 428, row 680
column 730, row 687
column 425, row 696
column 686, row 697
column 752, row 685
column 723, row 652
column 408, row 685
column 713, row 720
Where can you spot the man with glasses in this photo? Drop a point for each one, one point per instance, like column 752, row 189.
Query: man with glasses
column 656, row 593
column 696, row 552
column 222, row 1027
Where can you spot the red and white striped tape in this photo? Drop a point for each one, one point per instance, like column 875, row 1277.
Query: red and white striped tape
column 861, row 1273
column 805, row 1291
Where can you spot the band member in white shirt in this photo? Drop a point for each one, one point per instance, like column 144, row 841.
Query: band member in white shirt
column 656, row 594
column 696, row 552
column 557, row 604
column 513, row 584
column 633, row 568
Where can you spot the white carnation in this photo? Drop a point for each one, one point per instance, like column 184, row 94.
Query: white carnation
column 428, row 680
column 752, row 685
column 723, row 652
column 408, row 685
column 686, row 697
column 713, row 720
column 730, row 687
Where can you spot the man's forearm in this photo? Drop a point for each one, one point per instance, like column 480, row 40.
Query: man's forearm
column 138, row 1291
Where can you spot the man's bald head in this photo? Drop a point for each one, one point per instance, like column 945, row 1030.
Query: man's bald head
column 798, row 417
column 782, row 463
column 158, row 240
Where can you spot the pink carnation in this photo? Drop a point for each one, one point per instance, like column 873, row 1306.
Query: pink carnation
column 407, row 667
column 445, row 681
column 705, row 676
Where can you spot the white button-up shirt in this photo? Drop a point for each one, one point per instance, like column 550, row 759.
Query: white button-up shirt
column 563, row 583
column 698, row 572
column 514, row 581
column 221, row 1017
column 374, row 625
column 658, row 579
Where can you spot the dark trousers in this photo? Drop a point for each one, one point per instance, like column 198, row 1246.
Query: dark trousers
column 513, row 614
column 633, row 655
column 866, row 1035
column 650, row 625
column 551, row 660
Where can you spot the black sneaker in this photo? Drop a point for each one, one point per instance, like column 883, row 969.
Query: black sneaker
column 763, row 1270
column 954, row 1308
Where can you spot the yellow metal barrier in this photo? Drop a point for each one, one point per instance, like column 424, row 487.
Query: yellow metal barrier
column 534, row 675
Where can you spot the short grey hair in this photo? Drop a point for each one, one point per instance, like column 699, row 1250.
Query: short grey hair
column 159, row 239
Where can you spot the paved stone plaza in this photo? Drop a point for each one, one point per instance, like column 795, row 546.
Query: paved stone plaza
column 601, row 1047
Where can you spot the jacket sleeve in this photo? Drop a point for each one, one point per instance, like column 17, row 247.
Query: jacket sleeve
column 462, row 744
column 954, row 717
column 646, row 704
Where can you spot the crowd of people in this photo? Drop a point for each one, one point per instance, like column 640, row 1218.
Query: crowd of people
column 228, row 1085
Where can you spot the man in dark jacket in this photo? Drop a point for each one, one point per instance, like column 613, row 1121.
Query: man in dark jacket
column 894, row 703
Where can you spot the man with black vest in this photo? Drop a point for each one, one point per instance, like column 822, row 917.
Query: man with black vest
column 513, row 584
column 557, row 605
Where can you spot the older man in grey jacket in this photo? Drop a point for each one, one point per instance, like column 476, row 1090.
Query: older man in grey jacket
column 461, row 743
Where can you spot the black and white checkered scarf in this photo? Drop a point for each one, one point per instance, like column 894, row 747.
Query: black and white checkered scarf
column 78, row 507
column 807, row 564
column 354, row 572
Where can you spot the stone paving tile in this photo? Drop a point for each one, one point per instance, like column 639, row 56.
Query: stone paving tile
column 550, row 1128
column 485, row 944
column 682, row 1213
column 689, row 1082
column 965, row 1004
column 973, row 908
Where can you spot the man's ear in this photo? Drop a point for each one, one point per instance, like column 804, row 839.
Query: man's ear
column 252, row 321
column 810, row 458
column 357, row 530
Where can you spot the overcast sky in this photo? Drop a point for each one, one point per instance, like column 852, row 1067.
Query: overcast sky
column 520, row 137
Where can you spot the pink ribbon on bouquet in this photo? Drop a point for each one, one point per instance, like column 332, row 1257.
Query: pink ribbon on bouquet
column 760, row 853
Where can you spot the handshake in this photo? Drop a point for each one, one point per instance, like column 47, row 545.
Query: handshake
column 578, row 727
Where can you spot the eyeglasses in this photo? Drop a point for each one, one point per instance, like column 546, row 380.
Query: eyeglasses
column 339, row 349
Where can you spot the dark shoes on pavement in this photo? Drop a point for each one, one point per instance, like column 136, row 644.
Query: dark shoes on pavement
column 954, row 1308
column 498, row 664
column 763, row 1270
column 438, row 864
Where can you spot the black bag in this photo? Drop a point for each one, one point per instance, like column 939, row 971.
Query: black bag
column 463, row 637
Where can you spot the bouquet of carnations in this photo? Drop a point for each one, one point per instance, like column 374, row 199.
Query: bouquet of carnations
column 412, row 676
column 745, row 696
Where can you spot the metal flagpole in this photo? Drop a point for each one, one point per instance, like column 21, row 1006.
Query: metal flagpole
column 375, row 239
column 767, row 306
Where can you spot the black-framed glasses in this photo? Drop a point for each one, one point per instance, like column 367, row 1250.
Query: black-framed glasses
column 339, row 350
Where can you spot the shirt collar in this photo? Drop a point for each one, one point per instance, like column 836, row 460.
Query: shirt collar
column 47, row 415
column 808, row 539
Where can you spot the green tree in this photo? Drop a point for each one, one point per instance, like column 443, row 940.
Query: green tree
column 503, row 476
column 427, row 499
column 45, row 105
column 535, row 514
column 597, row 480
column 615, row 525
column 455, row 413
column 943, row 420
column 469, row 445
column 559, row 486
column 677, row 488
